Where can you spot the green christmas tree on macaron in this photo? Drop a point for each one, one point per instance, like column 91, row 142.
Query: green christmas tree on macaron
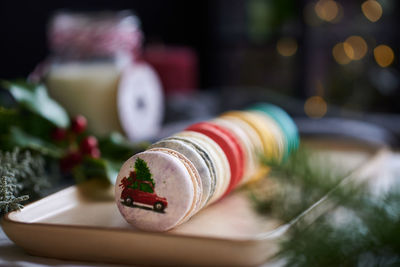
column 142, row 173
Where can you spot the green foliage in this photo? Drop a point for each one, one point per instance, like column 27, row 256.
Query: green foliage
column 21, row 174
column 19, row 138
column 34, row 98
column 115, row 150
column 360, row 229
column 143, row 171
column 368, row 236
column 30, row 119
column 97, row 168
column 29, row 122
column 8, row 201
column 115, row 147
column 301, row 181
column 28, row 171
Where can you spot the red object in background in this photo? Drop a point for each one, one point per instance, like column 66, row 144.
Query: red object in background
column 79, row 124
column 70, row 160
column 59, row 134
column 176, row 67
column 88, row 144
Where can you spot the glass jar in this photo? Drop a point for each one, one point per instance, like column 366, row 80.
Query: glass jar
column 93, row 71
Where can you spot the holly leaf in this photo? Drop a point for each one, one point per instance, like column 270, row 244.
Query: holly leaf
column 19, row 138
column 34, row 98
column 97, row 168
column 7, row 117
column 115, row 147
column 112, row 170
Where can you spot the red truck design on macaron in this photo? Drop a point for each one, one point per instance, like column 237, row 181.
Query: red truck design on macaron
column 138, row 188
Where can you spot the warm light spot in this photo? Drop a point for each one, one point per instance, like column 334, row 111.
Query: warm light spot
column 309, row 15
column 340, row 14
column 372, row 10
column 384, row 55
column 315, row 107
column 340, row 55
column 287, row 46
column 327, row 9
column 355, row 47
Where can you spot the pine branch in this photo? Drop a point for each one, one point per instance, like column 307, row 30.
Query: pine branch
column 362, row 229
column 21, row 173
column 364, row 233
column 8, row 201
column 293, row 186
column 28, row 169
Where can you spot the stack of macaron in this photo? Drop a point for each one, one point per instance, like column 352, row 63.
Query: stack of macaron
column 164, row 186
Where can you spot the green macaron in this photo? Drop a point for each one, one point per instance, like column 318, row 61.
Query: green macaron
column 284, row 121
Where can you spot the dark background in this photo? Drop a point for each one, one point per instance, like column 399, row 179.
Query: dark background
column 233, row 50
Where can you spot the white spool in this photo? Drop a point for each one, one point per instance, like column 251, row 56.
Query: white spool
column 140, row 102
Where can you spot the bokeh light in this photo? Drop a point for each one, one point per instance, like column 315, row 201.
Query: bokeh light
column 355, row 47
column 384, row 55
column 310, row 17
column 372, row 10
column 315, row 107
column 340, row 55
column 327, row 10
column 286, row 46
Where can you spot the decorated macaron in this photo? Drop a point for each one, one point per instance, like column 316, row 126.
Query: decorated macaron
column 156, row 190
column 229, row 144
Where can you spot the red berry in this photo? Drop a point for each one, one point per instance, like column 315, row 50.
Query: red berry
column 79, row 124
column 69, row 161
column 88, row 144
column 95, row 153
column 59, row 134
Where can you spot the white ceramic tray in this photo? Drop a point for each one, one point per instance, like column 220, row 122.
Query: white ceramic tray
column 83, row 223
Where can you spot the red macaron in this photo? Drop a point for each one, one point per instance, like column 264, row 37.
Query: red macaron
column 229, row 144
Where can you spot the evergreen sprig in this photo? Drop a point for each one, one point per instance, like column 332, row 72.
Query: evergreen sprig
column 361, row 229
column 8, row 187
column 21, row 174
column 28, row 169
column 362, row 232
column 296, row 184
